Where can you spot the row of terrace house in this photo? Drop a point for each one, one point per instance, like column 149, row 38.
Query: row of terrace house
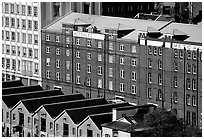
column 30, row 111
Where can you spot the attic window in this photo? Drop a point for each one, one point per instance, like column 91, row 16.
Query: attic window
column 19, row 109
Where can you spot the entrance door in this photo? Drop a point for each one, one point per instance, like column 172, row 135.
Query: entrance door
column 7, row 132
column 65, row 130
column 89, row 133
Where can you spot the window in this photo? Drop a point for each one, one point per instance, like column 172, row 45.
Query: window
column 121, row 47
column 35, row 25
column 12, row 22
column 51, row 125
column 193, row 84
column 58, row 63
column 99, row 57
column 188, row 54
column 56, row 7
column 68, row 65
column 35, row 13
column 24, row 52
column 121, row 87
column 181, row 54
column 67, row 40
column 149, row 93
column 36, row 53
column 7, row 49
column 23, row 38
column 77, row 79
column 6, row 21
column 188, row 84
column 29, row 11
column 57, row 39
column 88, row 43
column 175, row 66
column 110, row 46
column 149, row 78
column 99, row 83
column 47, row 49
column 28, row 120
column 193, row 100
column 68, row 52
column 80, row 132
column 13, row 64
column 110, row 85
column 48, row 61
column 175, row 97
column 13, row 36
column 48, row 74
column 110, row 72
column 110, row 59
column 194, row 69
column 19, row 65
column 175, row 82
column 12, row 8
column 77, row 54
column 19, row 51
column 134, row 62
column 77, row 66
column 2, row 48
column 58, row 76
column 89, row 56
column 133, row 89
column 188, row 100
column 188, row 68
column 29, row 24
column 160, row 51
column 88, row 68
column 30, row 52
column 134, row 49
column 47, row 37
column 17, row 9
column 57, row 127
column 159, row 79
column 7, row 35
column 194, row 119
column 149, row 50
column 6, row 8
column 149, row 63
column 175, row 53
column 18, row 23
column 13, row 50
column 155, row 50
column 159, row 64
column 23, row 9
column 30, row 38
column 14, row 116
column 3, row 62
column 99, row 44
column 68, row 78
column 23, row 24
column 194, row 55
column 122, row 61
column 188, row 118
column 159, row 95
column 18, row 37
column 7, row 63
column 122, row 74
column 36, row 68
column 134, row 76
column 77, row 41
column 73, row 131
column 99, row 70
column 88, row 81
column 2, row 35
column 57, row 51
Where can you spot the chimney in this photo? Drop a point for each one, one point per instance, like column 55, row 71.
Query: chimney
column 114, row 116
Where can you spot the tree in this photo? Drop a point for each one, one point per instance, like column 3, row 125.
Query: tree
column 165, row 123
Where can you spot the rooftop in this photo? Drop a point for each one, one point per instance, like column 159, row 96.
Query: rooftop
column 12, row 99
column 15, row 83
column 21, row 89
column 34, row 103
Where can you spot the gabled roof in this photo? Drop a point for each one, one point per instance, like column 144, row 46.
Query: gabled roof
column 21, row 89
column 34, row 103
column 15, row 83
column 13, row 99
column 99, row 119
column 56, row 108
column 79, row 114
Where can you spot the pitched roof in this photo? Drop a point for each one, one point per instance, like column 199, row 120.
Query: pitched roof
column 13, row 99
column 56, row 108
column 15, row 83
column 21, row 89
column 99, row 119
column 136, row 107
column 79, row 114
column 34, row 103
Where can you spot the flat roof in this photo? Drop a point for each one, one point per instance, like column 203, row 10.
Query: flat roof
column 12, row 99
column 14, row 83
column 33, row 104
column 21, row 89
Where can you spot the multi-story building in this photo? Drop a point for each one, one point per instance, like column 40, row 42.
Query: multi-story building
column 136, row 60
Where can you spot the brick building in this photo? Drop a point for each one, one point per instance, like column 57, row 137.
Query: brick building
column 138, row 61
